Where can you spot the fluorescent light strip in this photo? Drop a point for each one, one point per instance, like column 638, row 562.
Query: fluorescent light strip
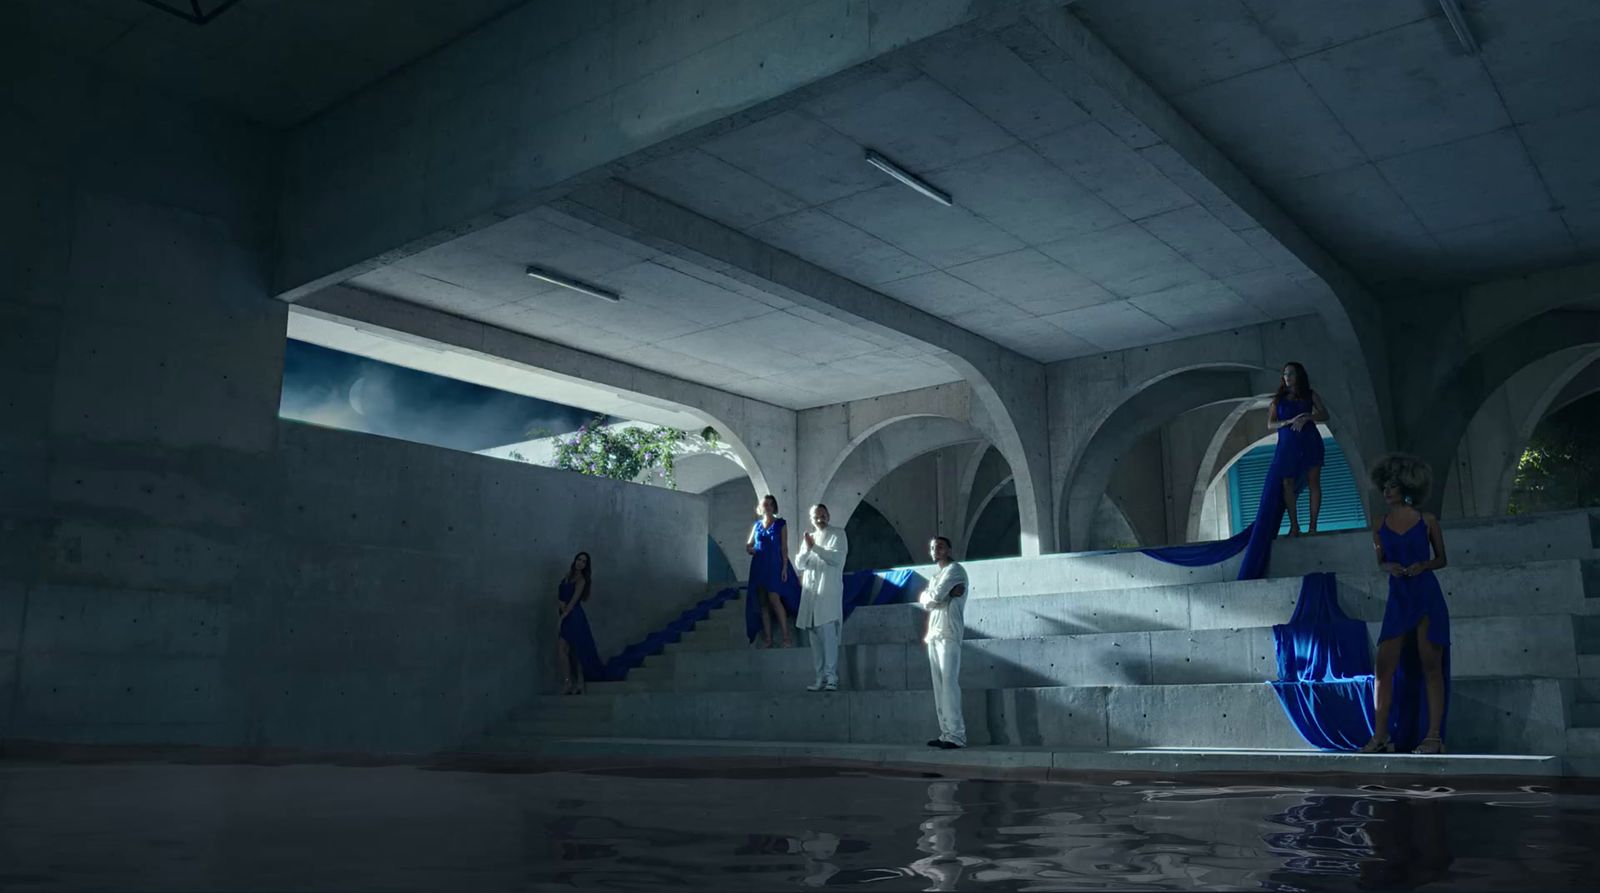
column 899, row 173
column 1458, row 21
column 593, row 291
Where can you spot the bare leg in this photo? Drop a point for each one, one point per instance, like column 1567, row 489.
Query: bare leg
column 1388, row 659
column 1314, row 483
column 1433, row 671
column 761, row 597
column 565, row 654
column 783, row 617
column 1288, row 503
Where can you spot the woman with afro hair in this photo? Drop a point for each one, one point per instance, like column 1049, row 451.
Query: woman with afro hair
column 1414, row 643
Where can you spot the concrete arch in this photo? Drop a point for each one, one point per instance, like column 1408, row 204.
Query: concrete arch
column 888, row 446
column 1584, row 384
column 1224, row 447
column 1480, row 480
column 980, row 504
column 1434, row 427
column 1093, row 388
column 1155, row 404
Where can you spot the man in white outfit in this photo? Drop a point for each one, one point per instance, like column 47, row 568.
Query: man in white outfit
column 943, row 600
column 821, row 564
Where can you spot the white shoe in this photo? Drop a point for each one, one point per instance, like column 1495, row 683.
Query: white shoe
column 831, row 686
column 815, row 686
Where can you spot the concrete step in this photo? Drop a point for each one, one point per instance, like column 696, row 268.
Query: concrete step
column 1515, row 646
column 1499, row 715
column 1589, row 665
column 1586, row 688
column 1585, row 714
column 1587, row 629
column 1045, row 763
column 1501, row 540
column 1584, row 741
column 1546, row 587
column 1531, row 538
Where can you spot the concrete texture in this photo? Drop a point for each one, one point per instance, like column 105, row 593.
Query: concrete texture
column 1174, row 659
column 178, row 565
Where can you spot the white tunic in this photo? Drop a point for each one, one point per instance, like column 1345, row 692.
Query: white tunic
column 945, row 619
column 821, row 578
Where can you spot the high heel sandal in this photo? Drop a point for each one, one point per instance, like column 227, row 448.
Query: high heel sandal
column 1376, row 746
column 566, row 686
column 1437, row 748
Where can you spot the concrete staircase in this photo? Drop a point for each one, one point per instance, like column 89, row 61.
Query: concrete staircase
column 1074, row 659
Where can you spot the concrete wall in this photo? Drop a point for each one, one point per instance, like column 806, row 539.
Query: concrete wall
column 179, row 566
column 732, row 511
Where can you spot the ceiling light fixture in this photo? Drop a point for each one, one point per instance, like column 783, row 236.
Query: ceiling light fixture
column 1458, row 21
column 904, row 176
column 593, row 291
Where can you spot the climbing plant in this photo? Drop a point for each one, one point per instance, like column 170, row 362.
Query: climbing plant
column 624, row 454
column 1560, row 469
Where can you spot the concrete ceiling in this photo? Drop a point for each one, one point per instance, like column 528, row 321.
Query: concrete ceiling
column 677, row 317
column 1063, row 240
column 277, row 62
column 1415, row 163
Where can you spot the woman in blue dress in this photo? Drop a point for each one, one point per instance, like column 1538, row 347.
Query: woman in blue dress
column 575, row 641
column 1413, row 662
column 1295, row 411
column 771, row 577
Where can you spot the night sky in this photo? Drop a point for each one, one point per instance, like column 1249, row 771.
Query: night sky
column 340, row 390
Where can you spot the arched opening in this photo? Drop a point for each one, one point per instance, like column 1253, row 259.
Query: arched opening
column 874, row 543
column 1560, row 467
column 997, row 531
column 1500, row 439
column 1235, row 491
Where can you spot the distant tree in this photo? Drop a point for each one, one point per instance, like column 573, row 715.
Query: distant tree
column 624, row 454
column 1560, row 469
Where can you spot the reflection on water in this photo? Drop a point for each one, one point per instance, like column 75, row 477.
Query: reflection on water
column 155, row 827
column 949, row 834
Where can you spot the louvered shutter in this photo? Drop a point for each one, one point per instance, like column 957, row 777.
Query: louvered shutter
column 1341, row 498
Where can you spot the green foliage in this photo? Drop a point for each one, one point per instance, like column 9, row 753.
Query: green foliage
column 623, row 455
column 1560, row 469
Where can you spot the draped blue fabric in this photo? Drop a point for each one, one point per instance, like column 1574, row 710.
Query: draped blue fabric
column 1412, row 600
column 1296, row 454
column 770, row 569
column 892, row 587
column 860, row 589
column 1324, row 669
column 576, row 633
column 632, row 656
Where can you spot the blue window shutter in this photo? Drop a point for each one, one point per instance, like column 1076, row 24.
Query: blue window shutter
column 1341, row 498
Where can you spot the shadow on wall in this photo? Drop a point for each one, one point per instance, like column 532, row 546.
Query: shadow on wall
column 874, row 543
column 718, row 570
column 998, row 533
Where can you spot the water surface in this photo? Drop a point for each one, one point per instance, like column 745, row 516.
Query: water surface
column 195, row 827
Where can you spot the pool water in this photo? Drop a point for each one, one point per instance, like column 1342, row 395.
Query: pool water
column 197, row 827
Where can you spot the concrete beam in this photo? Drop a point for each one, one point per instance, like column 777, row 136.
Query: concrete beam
column 1100, row 81
column 1009, row 388
column 514, row 113
column 762, row 435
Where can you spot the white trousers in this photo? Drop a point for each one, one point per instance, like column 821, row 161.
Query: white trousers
column 825, row 652
column 944, row 661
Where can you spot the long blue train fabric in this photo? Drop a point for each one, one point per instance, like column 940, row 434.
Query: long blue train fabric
column 1325, row 680
column 860, row 588
column 1255, row 540
column 1324, row 669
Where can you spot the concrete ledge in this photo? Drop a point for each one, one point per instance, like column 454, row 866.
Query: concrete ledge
column 1535, row 645
column 1507, row 715
column 1056, row 764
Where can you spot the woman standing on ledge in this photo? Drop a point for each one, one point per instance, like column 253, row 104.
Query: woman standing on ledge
column 575, row 641
column 1295, row 411
column 1415, row 639
column 770, row 574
